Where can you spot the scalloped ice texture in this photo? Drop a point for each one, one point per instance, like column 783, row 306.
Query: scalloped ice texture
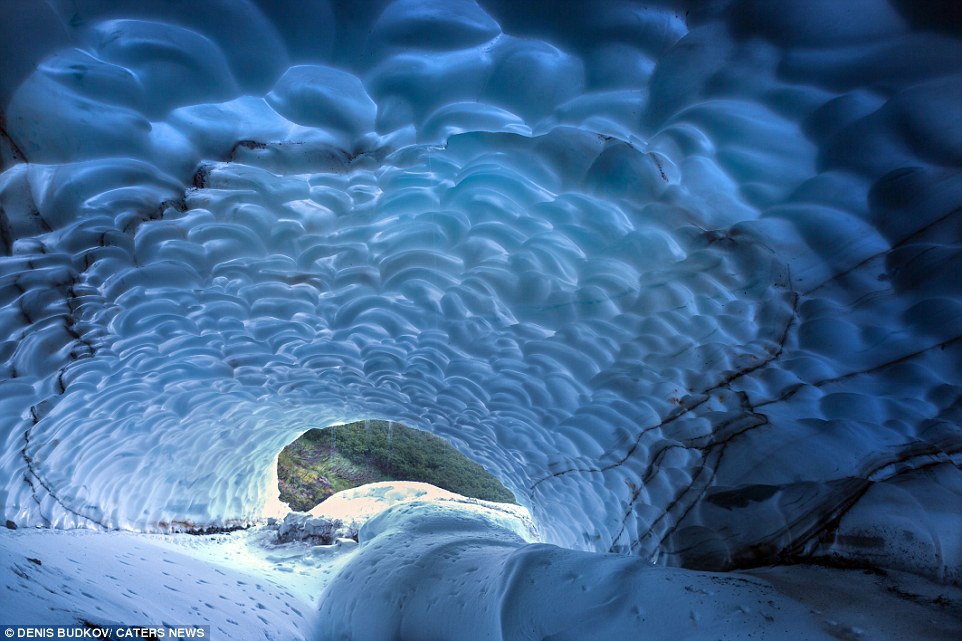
column 685, row 279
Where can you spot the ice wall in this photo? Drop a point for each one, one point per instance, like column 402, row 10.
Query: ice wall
column 683, row 275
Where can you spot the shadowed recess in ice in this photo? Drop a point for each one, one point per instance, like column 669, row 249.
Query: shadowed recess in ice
column 684, row 278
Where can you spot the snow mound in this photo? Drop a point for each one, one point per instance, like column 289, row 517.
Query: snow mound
column 444, row 570
column 359, row 505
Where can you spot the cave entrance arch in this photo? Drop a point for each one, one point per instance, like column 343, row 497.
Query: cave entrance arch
column 323, row 461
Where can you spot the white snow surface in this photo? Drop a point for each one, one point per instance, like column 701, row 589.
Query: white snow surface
column 358, row 505
column 683, row 275
column 434, row 565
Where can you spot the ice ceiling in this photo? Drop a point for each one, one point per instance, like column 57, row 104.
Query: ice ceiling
column 685, row 276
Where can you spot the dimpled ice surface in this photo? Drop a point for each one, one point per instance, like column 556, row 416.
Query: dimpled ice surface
column 685, row 276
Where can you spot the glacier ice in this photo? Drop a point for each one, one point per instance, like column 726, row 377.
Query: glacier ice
column 683, row 275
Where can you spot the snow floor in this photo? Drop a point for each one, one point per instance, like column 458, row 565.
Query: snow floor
column 237, row 583
column 245, row 586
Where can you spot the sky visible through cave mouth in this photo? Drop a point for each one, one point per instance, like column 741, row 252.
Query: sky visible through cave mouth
column 681, row 275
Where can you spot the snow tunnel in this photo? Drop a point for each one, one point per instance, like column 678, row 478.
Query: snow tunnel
column 682, row 275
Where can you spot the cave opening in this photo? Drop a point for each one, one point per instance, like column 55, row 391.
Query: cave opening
column 324, row 461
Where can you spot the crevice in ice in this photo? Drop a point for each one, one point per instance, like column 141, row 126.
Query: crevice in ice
column 16, row 154
column 32, row 471
column 6, row 236
column 131, row 226
column 824, row 529
column 697, row 488
column 875, row 369
column 902, row 242
column 827, row 516
column 690, row 402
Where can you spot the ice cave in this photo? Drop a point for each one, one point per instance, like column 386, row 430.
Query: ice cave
column 684, row 275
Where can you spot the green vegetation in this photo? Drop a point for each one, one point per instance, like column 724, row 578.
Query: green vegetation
column 322, row 462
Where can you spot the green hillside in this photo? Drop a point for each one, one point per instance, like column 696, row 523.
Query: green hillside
column 324, row 461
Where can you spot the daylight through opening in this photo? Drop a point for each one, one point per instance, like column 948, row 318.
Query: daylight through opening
column 322, row 462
